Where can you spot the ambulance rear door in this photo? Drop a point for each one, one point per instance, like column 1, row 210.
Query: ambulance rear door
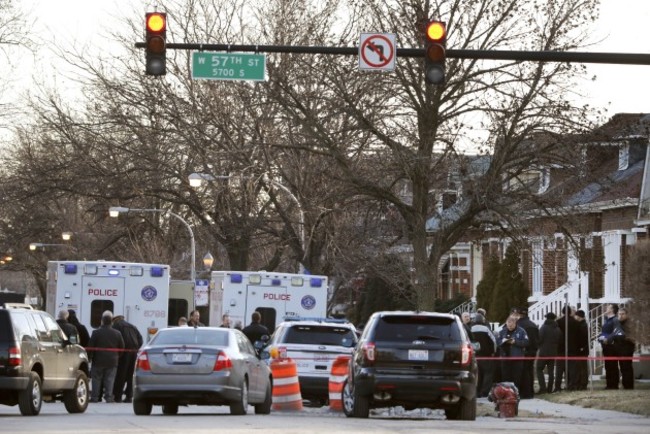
column 270, row 301
column 99, row 294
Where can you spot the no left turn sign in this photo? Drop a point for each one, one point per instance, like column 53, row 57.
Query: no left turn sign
column 377, row 51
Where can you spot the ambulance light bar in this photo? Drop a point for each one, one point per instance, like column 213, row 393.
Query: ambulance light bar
column 157, row 271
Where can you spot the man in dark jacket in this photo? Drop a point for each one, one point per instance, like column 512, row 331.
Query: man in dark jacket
column 69, row 330
column 126, row 365
column 581, row 380
column 566, row 347
column 488, row 346
column 255, row 330
column 84, row 336
column 549, row 340
column 527, row 390
column 609, row 352
column 105, row 346
column 624, row 345
column 512, row 342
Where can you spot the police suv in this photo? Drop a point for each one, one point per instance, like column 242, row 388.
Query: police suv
column 313, row 344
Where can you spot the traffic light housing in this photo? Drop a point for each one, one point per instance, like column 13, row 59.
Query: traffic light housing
column 435, row 41
column 155, row 43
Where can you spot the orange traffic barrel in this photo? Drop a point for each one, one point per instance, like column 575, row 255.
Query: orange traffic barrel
column 286, row 388
column 338, row 374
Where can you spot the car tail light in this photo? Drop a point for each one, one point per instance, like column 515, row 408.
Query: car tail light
column 143, row 362
column 466, row 354
column 369, row 352
column 15, row 357
column 223, row 362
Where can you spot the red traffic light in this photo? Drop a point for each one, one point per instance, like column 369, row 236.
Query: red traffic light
column 156, row 22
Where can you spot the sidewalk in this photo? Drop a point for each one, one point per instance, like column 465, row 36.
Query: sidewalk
column 542, row 408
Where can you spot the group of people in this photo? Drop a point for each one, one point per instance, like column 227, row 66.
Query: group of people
column 254, row 331
column 112, row 350
column 521, row 352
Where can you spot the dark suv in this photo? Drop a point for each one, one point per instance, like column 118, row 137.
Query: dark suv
column 37, row 362
column 413, row 360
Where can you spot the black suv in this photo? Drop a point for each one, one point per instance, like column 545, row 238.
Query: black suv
column 37, row 362
column 413, row 360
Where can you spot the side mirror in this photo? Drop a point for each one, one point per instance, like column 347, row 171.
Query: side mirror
column 476, row 346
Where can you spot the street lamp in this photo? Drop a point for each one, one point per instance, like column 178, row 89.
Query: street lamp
column 115, row 211
column 34, row 246
column 196, row 179
column 208, row 260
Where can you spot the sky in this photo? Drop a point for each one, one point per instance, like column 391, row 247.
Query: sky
column 623, row 25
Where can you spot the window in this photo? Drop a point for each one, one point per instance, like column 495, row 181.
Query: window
column 411, row 328
column 320, row 335
column 97, row 308
column 191, row 336
column 53, row 328
column 41, row 329
column 177, row 307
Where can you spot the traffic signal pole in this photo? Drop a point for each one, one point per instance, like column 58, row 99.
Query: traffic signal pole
column 536, row 56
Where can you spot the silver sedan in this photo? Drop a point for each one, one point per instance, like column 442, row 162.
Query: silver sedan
column 200, row 366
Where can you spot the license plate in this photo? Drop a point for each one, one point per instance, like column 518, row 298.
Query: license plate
column 320, row 357
column 418, row 355
column 181, row 358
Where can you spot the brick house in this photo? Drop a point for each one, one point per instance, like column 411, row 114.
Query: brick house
column 612, row 209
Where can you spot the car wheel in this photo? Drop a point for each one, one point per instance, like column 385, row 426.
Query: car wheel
column 142, row 407
column 240, row 406
column 464, row 410
column 76, row 399
column 265, row 407
column 170, row 409
column 347, row 399
column 361, row 406
column 31, row 398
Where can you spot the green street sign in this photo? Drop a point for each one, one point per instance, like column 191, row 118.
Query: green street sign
column 228, row 66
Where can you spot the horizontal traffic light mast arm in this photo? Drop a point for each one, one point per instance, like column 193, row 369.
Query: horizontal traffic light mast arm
column 539, row 56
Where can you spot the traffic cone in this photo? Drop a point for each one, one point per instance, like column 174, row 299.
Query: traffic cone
column 286, row 388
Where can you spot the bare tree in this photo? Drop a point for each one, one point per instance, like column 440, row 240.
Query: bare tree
column 384, row 130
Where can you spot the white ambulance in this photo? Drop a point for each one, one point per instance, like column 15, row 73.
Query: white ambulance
column 275, row 296
column 138, row 291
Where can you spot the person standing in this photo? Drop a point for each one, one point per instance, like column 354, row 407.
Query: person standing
column 466, row 318
column 527, row 390
column 104, row 349
column 84, row 336
column 225, row 321
column 126, row 365
column 566, row 348
column 624, row 346
column 609, row 352
column 549, row 340
column 487, row 350
column 512, row 342
column 194, row 321
column 581, row 380
column 69, row 330
column 255, row 330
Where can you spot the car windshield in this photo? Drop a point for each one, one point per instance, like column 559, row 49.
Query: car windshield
column 191, row 336
column 417, row 327
column 320, row 335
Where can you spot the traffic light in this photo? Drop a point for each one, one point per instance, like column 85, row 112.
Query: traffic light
column 156, row 45
column 435, row 39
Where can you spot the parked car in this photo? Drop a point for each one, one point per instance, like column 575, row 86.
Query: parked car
column 38, row 362
column 200, row 366
column 314, row 344
column 413, row 360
